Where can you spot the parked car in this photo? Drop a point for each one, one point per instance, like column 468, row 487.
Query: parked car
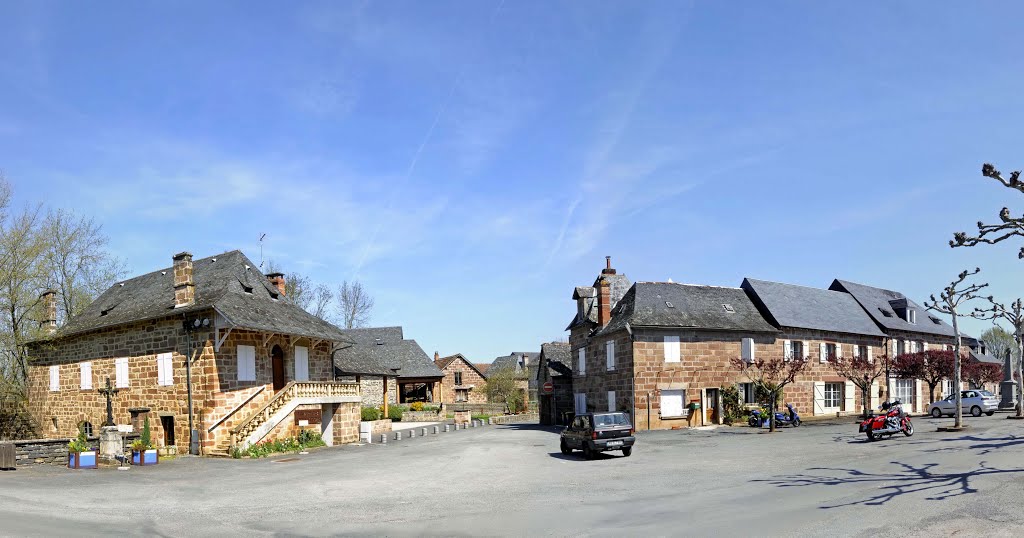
column 598, row 432
column 974, row 402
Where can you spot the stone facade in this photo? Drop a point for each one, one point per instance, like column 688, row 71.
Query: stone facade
column 220, row 400
column 473, row 386
column 372, row 390
column 42, row 452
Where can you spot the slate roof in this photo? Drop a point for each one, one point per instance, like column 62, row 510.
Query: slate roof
column 445, row 362
column 556, row 357
column 619, row 286
column 975, row 346
column 514, row 361
column 383, row 351
column 673, row 305
column 220, row 283
column 787, row 305
column 877, row 301
column 482, row 368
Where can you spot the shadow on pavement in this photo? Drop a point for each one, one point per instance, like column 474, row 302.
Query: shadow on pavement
column 905, row 479
column 531, row 427
column 578, row 456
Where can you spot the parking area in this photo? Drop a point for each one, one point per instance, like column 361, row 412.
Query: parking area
column 819, row 479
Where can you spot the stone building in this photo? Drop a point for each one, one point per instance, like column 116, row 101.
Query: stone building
column 216, row 322
column 463, row 382
column 381, row 359
column 523, row 365
column 555, row 404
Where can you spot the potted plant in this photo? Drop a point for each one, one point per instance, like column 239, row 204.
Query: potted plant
column 79, row 455
column 143, row 452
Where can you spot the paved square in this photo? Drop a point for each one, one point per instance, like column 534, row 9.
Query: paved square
column 820, row 479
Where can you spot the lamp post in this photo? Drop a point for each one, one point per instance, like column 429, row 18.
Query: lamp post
column 191, row 327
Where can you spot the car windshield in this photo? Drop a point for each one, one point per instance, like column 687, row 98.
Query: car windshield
column 615, row 419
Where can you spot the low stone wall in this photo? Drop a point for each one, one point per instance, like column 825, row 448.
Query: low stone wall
column 422, row 416
column 42, row 451
column 513, row 419
column 478, row 408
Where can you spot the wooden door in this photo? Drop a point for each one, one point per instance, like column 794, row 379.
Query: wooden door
column 277, row 360
column 711, row 406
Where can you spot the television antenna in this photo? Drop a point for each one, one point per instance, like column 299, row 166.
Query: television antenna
column 261, row 250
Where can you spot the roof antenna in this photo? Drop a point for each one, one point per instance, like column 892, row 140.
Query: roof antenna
column 261, row 250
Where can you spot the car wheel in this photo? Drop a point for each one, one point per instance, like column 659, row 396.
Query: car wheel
column 627, row 451
column 587, row 452
column 975, row 411
column 936, row 413
column 565, row 448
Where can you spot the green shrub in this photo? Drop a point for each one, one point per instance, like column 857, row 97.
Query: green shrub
column 81, row 444
column 431, row 408
column 732, row 411
column 145, row 441
column 370, row 414
column 395, row 412
column 481, row 417
column 416, row 406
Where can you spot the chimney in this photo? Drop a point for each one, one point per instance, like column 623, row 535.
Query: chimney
column 604, row 294
column 437, row 356
column 277, row 279
column 184, row 286
column 49, row 321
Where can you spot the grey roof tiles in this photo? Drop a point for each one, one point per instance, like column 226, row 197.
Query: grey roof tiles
column 788, row 305
column 880, row 304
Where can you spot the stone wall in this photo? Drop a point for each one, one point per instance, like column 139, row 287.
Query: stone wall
column 43, row 451
column 471, row 380
column 346, row 423
column 372, row 390
column 423, row 416
column 479, row 408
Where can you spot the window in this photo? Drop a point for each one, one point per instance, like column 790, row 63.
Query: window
column 86, row 428
column 672, row 403
column 580, row 401
column 609, row 353
column 747, row 349
column 901, row 347
column 121, row 372
column 947, row 388
column 164, row 370
column 582, row 364
column 461, row 395
column 86, row 374
column 301, row 363
column 793, row 348
column 861, row 352
column 912, row 315
column 458, row 378
column 611, row 401
column 903, row 390
column 828, row 350
column 671, row 349
column 246, row 363
column 54, row 378
column 746, row 391
column 833, row 394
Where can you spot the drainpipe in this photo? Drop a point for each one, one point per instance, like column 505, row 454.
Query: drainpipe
column 193, row 447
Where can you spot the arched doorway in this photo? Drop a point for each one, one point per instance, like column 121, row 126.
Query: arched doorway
column 277, row 361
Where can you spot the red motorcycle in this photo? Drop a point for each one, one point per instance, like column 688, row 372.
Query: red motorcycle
column 892, row 422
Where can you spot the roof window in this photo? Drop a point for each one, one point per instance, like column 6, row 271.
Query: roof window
column 669, row 304
column 885, row 312
column 935, row 320
column 728, row 308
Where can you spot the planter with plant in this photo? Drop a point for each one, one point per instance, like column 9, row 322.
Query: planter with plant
column 79, row 455
column 143, row 452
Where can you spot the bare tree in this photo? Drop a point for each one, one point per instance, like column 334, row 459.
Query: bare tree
column 771, row 376
column 354, row 304
column 22, row 277
column 995, row 233
column 862, row 372
column 1014, row 315
column 950, row 300
column 320, row 298
column 300, row 290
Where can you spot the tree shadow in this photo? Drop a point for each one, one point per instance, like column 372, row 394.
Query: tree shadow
column 984, row 445
column 907, row 479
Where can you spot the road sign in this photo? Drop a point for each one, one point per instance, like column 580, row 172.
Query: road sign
column 549, row 387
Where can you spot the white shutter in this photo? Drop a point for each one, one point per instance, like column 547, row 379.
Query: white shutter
column 165, row 370
column 807, row 349
column 870, row 359
column 747, row 349
column 121, row 372
column 583, row 361
column 918, row 400
column 672, row 403
column 787, row 350
column 671, row 349
column 246, row 363
column 581, row 403
column 849, row 390
column 819, row 398
column 301, row 363
column 611, row 401
column 86, row 372
column 874, row 394
column 924, row 345
column 839, row 350
column 822, row 352
column 54, row 378
column 609, row 352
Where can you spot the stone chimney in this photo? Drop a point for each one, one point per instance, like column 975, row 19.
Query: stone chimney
column 184, row 286
column 277, row 279
column 49, row 321
column 437, row 356
column 604, row 294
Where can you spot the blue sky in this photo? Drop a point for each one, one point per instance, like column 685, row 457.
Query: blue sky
column 471, row 162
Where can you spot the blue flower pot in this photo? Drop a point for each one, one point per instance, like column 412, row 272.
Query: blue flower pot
column 147, row 457
column 82, row 460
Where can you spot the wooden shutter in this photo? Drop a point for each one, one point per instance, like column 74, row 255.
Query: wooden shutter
column 164, row 370
column 671, row 345
column 747, row 349
column 301, row 363
column 787, row 350
column 54, row 378
column 924, row 346
column 874, row 394
column 672, row 403
column 121, row 372
column 822, row 352
column 819, row 398
column 839, row 350
column 609, row 354
column 583, row 361
column 86, row 373
column 611, row 401
column 870, row 359
column 246, row 357
column 849, row 391
column 807, row 349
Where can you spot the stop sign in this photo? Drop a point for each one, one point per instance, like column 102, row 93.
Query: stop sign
column 549, row 387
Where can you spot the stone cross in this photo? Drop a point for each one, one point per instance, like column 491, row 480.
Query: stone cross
column 109, row 392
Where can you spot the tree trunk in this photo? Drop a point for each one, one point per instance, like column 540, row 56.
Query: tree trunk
column 771, row 412
column 1020, row 371
column 958, row 401
column 865, row 399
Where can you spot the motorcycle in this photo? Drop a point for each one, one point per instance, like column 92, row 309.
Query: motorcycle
column 760, row 417
column 893, row 421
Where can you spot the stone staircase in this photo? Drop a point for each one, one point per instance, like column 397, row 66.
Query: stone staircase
column 268, row 415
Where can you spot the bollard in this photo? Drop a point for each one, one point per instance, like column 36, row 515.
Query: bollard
column 472, row 423
column 447, row 428
column 435, row 430
column 383, row 438
column 412, row 433
column 423, row 432
column 490, row 421
column 398, row 436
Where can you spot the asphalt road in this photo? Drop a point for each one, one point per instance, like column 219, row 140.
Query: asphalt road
column 822, row 479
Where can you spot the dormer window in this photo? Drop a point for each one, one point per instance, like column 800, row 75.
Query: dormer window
column 935, row 320
column 247, row 289
column 912, row 316
column 885, row 312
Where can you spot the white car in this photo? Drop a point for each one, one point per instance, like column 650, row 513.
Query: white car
column 972, row 401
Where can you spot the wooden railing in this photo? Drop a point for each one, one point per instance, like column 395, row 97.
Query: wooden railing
column 291, row 391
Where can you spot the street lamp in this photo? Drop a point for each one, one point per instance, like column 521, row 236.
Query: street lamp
column 190, row 328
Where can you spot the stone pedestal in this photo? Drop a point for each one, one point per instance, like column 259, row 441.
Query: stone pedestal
column 111, row 445
column 1007, row 393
